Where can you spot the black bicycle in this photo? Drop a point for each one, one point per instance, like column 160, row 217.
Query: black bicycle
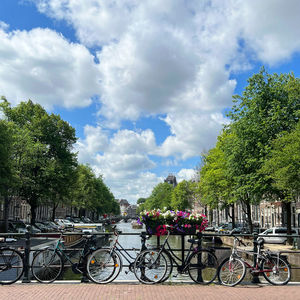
column 104, row 265
column 48, row 263
column 201, row 264
column 11, row 265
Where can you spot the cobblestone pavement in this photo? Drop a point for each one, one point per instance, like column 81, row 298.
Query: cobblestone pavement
column 113, row 291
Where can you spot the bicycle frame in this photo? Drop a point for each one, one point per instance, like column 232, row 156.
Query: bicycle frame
column 184, row 262
column 60, row 248
column 259, row 258
column 119, row 249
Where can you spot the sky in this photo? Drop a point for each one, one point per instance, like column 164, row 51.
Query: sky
column 146, row 84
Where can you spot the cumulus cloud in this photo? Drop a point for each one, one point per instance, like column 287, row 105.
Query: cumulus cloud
column 271, row 28
column 123, row 160
column 171, row 58
column 43, row 66
column 185, row 174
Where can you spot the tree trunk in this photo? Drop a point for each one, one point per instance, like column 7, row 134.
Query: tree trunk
column 232, row 216
column 211, row 216
column 249, row 218
column 33, row 213
column 288, row 210
column 6, row 212
column 55, row 205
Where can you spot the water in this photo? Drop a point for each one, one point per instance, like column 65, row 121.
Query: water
column 134, row 241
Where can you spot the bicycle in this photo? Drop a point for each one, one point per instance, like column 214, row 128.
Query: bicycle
column 48, row 263
column 11, row 265
column 201, row 264
column 104, row 265
column 274, row 268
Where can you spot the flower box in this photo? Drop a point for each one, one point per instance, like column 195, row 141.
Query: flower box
column 180, row 222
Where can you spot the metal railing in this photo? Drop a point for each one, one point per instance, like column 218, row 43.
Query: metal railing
column 27, row 249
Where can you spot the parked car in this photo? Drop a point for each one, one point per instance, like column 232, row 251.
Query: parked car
column 86, row 220
column 21, row 227
column 279, row 235
column 51, row 225
column 42, row 227
column 224, row 228
column 74, row 219
column 64, row 224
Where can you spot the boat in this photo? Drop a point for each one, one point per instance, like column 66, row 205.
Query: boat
column 136, row 225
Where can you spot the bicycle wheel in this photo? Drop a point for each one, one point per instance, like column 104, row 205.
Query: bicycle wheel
column 276, row 270
column 150, row 267
column 232, row 271
column 169, row 261
column 47, row 266
column 11, row 265
column 203, row 267
column 103, row 266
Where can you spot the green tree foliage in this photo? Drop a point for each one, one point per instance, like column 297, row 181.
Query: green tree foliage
column 182, row 196
column 5, row 157
column 216, row 183
column 283, row 162
column 268, row 106
column 6, row 168
column 160, row 197
column 43, row 158
column 91, row 193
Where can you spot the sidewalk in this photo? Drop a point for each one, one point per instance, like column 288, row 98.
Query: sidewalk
column 115, row 291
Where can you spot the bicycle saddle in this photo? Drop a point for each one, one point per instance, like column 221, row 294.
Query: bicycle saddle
column 193, row 241
column 260, row 242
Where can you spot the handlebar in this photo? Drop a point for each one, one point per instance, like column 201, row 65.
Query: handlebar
column 239, row 240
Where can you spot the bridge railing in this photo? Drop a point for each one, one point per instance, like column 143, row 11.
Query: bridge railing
column 26, row 246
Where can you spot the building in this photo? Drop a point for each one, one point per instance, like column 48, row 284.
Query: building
column 123, row 206
column 131, row 211
column 171, row 179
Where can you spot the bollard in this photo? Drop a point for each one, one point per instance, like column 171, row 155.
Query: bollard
column 255, row 278
column 182, row 246
column 26, row 278
column 199, row 258
column 84, row 278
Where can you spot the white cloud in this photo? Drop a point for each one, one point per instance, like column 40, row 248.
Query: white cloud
column 95, row 22
column 43, row 66
column 185, row 174
column 271, row 28
column 191, row 134
column 174, row 58
column 123, row 160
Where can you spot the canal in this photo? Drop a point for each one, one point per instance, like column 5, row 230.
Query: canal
column 134, row 241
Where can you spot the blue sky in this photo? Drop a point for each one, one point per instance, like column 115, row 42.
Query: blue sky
column 144, row 83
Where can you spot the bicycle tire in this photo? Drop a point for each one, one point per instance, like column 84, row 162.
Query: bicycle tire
column 103, row 266
column 169, row 265
column 232, row 271
column 280, row 274
column 10, row 259
column 150, row 266
column 203, row 267
column 47, row 266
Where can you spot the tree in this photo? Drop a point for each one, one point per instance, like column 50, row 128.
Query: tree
column 90, row 192
column 216, row 184
column 182, row 196
column 282, row 165
column 160, row 197
column 42, row 156
column 269, row 105
column 6, row 170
